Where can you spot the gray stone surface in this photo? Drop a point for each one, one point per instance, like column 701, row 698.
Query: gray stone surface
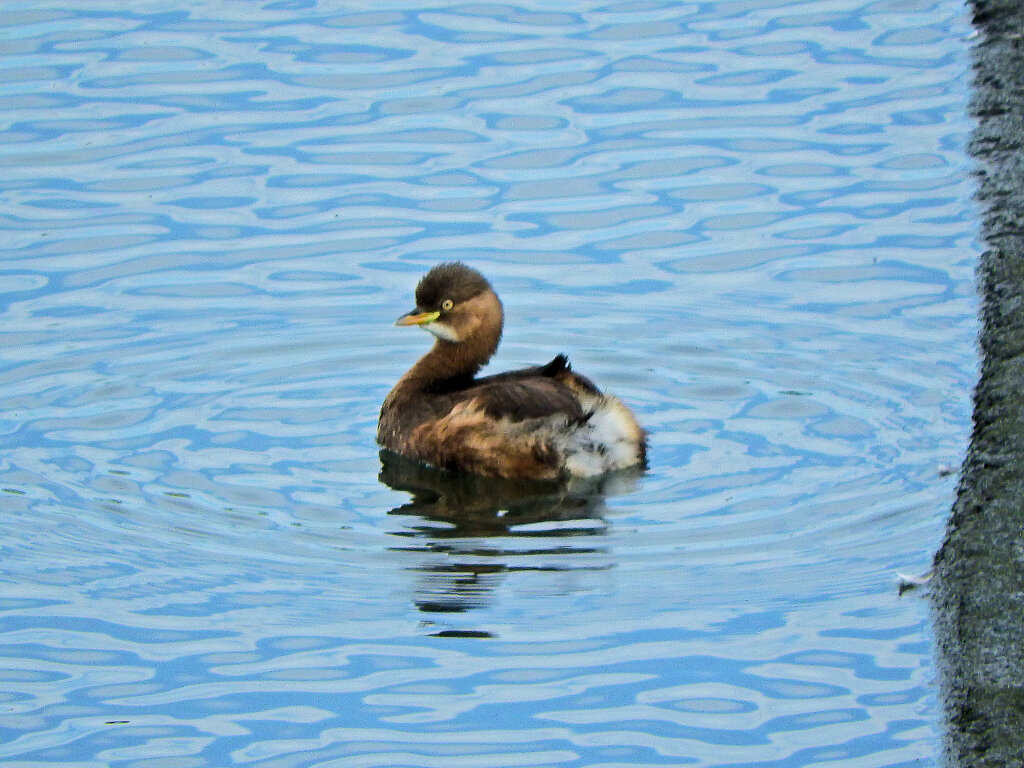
column 978, row 589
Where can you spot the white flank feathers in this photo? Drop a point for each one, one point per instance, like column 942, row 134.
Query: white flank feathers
column 609, row 440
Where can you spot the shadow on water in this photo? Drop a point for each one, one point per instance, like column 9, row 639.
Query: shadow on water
column 475, row 530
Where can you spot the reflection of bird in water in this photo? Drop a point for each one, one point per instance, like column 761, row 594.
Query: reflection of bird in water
column 486, row 527
column 541, row 423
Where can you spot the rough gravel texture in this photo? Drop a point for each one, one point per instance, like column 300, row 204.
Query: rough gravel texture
column 978, row 590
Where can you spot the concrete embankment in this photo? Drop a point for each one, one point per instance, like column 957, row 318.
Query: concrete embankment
column 978, row 589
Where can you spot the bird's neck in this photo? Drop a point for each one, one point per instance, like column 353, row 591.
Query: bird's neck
column 458, row 361
column 448, row 366
column 447, row 362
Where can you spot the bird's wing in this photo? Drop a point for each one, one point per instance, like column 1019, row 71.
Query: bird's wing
column 518, row 398
column 529, row 393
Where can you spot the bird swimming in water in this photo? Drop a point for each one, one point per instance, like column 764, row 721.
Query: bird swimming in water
column 541, row 423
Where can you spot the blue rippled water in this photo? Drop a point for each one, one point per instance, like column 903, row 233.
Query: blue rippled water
column 751, row 220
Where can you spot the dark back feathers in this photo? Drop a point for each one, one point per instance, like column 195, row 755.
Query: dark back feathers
column 529, row 393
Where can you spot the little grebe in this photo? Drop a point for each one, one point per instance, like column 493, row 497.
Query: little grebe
column 540, row 423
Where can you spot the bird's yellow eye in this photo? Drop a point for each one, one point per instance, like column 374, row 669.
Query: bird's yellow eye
column 447, row 304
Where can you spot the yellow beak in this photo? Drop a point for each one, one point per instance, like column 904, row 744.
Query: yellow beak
column 421, row 318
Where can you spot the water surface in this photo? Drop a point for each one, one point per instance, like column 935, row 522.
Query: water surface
column 751, row 221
